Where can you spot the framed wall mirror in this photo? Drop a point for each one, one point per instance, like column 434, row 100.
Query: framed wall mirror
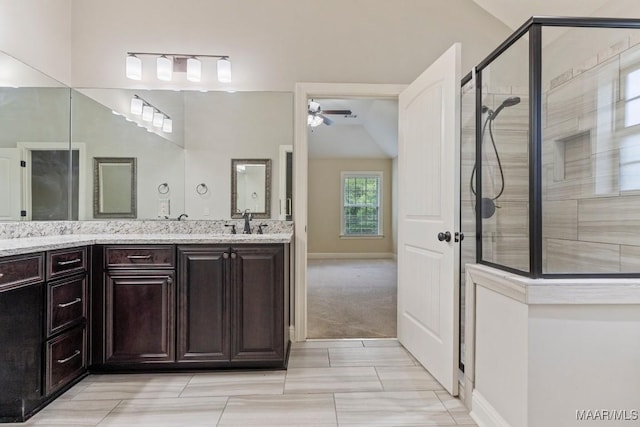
column 114, row 187
column 251, row 187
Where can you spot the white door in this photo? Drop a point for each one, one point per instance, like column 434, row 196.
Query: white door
column 10, row 184
column 428, row 200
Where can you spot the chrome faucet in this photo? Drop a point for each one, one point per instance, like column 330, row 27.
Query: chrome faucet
column 247, row 218
column 184, row 215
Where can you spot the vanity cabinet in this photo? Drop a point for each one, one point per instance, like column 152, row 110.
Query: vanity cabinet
column 231, row 305
column 139, row 305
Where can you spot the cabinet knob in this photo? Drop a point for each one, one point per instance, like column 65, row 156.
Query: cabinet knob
column 233, row 255
column 169, row 280
column 225, row 255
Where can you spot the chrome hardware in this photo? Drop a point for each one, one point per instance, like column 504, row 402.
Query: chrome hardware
column 67, row 304
column 260, row 227
column 233, row 228
column 63, row 361
column 446, row 236
column 139, row 256
column 73, row 261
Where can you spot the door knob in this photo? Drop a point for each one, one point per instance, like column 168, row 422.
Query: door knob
column 446, row 236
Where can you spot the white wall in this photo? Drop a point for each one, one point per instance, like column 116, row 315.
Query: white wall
column 38, row 32
column 274, row 44
column 394, row 205
column 222, row 126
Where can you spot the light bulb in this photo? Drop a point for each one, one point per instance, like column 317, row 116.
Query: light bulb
column 164, row 68
column 224, row 70
column 167, row 125
column 158, row 118
column 194, row 69
column 314, row 121
column 147, row 113
column 136, row 106
column 134, row 67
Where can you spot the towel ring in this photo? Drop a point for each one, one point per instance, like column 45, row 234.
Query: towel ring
column 163, row 188
column 202, row 189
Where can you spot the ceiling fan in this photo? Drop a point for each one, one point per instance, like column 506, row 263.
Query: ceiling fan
column 317, row 116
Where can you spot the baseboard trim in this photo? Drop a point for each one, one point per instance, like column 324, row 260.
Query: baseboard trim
column 350, row 255
column 292, row 333
column 484, row 414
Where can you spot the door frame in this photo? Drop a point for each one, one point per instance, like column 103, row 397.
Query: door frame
column 282, row 174
column 303, row 92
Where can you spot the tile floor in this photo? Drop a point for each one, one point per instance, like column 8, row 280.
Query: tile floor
column 328, row 383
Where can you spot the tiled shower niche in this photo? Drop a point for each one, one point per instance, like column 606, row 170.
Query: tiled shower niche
column 578, row 212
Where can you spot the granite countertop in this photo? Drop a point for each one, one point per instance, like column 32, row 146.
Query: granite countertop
column 37, row 244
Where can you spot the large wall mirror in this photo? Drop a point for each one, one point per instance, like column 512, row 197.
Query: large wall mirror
column 56, row 132
column 114, row 191
column 251, row 187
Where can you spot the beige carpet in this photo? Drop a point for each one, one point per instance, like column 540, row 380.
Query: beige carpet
column 351, row 298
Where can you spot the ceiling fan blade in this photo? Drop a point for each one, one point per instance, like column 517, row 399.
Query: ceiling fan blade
column 341, row 112
column 326, row 120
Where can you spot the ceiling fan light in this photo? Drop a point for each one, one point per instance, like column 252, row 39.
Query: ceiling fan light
column 133, row 68
column 164, row 68
column 167, row 125
column 314, row 121
column 224, row 70
column 194, row 69
column 147, row 113
column 314, row 106
column 158, row 118
column 136, row 106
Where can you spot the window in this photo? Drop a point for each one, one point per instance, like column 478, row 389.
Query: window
column 632, row 99
column 361, row 203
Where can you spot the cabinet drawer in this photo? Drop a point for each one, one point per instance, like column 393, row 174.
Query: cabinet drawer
column 66, row 261
column 18, row 271
column 139, row 256
column 66, row 304
column 66, row 358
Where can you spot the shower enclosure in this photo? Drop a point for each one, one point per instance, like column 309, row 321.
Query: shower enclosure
column 550, row 151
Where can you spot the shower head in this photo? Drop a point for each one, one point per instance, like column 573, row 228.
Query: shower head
column 509, row 102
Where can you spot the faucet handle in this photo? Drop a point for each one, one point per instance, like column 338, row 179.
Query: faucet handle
column 260, row 227
column 233, row 228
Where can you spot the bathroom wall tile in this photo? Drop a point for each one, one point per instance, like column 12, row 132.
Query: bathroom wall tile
column 324, row 380
column 603, row 181
column 514, row 118
column 630, row 259
column 395, row 378
column 292, row 410
column 235, row 383
column 370, row 356
column 309, row 358
column 634, row 38
column 512, row 252
column 585, row 65
column 568, row 256
column 610, row 220
column 399, row 408
column 560, row 219
column 613, row 50
column 561, row 78
column 193, row 411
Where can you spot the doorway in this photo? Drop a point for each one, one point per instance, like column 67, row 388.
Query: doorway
column 304, row 92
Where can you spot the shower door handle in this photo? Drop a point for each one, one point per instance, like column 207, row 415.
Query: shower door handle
column 444, row 237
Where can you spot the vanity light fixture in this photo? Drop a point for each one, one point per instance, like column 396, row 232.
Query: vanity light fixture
column 134, row 67
column 168, row 63
column 151, row 113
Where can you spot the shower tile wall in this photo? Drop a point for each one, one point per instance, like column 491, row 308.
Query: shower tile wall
column 591, row 164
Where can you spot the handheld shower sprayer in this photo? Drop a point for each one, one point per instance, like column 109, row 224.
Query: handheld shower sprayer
column 487, row 204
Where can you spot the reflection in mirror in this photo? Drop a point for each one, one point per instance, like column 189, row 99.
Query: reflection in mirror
column 251, row 187
column 114, row 192
column 104, row 124
column 35, row 135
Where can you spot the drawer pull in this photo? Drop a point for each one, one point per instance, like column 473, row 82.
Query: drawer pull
column 67, row 304
column 72, row 261
column 63, row 361
column 139, row 256
column 1, row 275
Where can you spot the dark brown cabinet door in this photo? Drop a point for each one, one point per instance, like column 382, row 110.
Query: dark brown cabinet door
column 139, row 314
column 257, row 295
column 203, row 304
